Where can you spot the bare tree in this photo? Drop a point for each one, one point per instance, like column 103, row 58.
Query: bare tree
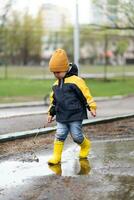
column 5, row 7
column 119, row 14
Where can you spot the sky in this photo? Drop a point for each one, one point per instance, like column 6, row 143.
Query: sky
column 33, row 5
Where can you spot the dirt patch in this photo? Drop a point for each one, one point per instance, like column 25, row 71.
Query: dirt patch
column 124, row 127
column 26, row 145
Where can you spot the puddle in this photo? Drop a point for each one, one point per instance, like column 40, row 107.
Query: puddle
column 17, row 172
column 109, row 162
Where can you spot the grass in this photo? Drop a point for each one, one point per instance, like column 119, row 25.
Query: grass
column 112, row 87
column 23, row 90
column 17, row 90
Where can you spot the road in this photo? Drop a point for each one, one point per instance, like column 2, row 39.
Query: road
column 33, row 117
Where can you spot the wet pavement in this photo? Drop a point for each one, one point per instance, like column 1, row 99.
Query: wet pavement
column 107, row 174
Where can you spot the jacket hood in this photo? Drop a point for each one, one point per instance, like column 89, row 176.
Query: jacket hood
column 73, row 70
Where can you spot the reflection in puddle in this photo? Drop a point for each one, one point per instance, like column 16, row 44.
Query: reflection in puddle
column 84, row 167
column 79, row 167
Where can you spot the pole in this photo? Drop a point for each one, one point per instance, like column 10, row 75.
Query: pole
column 76, row 35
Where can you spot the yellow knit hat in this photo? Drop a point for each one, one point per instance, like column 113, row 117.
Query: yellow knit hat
column 59, row 61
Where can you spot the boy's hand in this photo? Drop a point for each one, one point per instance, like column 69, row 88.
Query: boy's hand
column 93, row 113
column 49, row 119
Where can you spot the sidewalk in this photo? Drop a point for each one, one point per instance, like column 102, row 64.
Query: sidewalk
column 35, row 122
column 35, row 108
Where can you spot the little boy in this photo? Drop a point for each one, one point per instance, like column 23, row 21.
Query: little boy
column 69, row 101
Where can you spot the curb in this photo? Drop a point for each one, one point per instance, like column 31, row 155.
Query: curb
column 40, row 131
column 26, row 134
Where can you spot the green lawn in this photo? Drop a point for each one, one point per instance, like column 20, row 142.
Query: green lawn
column 23, row 90
column 112, row 87
column 13, row 90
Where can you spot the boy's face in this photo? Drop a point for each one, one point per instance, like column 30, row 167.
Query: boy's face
column 59, row 75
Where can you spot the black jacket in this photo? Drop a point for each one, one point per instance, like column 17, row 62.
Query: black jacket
column 70, row 98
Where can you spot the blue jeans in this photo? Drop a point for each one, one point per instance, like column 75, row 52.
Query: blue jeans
column 75, row 129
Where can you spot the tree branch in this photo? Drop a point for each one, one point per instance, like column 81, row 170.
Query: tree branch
column 113, row 28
